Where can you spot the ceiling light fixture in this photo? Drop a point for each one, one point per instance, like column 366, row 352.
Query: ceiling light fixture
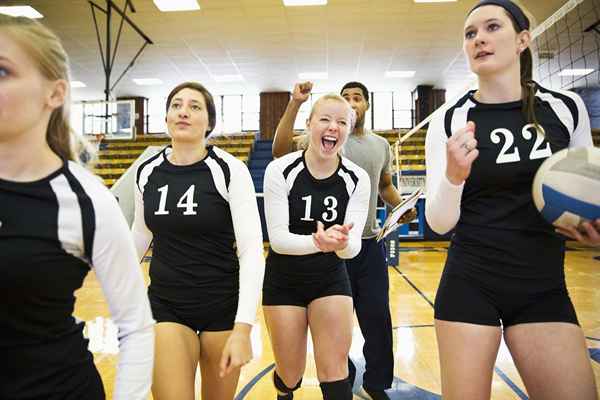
column 400, row 74
column 147, row 81
column 575, row 72
column 21, row 11
column 228, row 78
column 297, row 3
column 313, row 75
column 177, row 5
column 77, row 84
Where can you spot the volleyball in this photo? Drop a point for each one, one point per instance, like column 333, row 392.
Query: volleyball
column 566, row 188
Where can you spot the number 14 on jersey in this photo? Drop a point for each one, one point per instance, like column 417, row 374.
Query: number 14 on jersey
column 186, row 201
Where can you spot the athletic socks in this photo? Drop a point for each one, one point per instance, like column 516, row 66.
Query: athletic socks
column 338, row 390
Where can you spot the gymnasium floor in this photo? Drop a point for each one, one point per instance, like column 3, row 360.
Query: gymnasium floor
column 412, row 291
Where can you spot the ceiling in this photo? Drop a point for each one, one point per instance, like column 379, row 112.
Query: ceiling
column 269, row 44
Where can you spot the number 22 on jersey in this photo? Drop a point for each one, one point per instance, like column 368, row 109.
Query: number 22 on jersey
column 536, row 153
column 186, row 201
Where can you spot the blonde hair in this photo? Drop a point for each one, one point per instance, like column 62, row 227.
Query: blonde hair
column 334, row 97
column 51, row 60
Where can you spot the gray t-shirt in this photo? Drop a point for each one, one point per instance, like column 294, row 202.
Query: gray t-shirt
column 372, row 153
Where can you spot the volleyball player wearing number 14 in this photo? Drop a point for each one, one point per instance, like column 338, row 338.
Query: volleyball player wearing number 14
column 198, row 204
column 505, row 265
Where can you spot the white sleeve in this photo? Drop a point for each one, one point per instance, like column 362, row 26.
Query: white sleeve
column 356, row 212
column 249, row 242
column 117, row 269
column 582, row 136
column 278, row 219
column 442, row 204
column 142, row 236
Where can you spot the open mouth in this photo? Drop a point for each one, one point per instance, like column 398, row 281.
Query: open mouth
column 328, row 142
column 482, row 54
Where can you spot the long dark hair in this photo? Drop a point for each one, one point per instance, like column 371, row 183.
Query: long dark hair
column 528, row 86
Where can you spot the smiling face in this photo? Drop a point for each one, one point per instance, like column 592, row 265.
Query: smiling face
column 491, row 42
column 359, row 104
column 25, row 95
column 329, row 126
column 187, row 116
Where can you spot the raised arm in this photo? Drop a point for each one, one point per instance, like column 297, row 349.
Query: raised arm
column 283, row 141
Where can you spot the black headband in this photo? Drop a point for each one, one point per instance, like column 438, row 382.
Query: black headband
column 512, row 8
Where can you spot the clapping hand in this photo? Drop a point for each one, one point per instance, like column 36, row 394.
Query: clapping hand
column 333, row 238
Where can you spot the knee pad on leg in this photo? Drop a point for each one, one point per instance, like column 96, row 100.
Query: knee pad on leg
column 282, row 389
column 338, row 390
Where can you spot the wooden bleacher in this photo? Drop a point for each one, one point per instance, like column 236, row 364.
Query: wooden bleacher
column 412, row 151
column 116, row 156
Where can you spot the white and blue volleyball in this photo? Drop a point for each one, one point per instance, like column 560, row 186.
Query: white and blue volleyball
column 566, row 188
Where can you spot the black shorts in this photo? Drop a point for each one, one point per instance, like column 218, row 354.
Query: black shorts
column 281, row 288
column 197, row 319
column 461, row 299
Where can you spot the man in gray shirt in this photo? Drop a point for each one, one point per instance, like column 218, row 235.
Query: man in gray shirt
column 367, row 271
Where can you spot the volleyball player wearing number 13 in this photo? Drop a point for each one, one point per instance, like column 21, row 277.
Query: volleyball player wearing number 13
column 505, row 264
column 316, row 205
column 198, row 204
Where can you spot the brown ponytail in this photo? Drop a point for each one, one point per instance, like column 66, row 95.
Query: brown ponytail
column 44, row 47
column 528, row 86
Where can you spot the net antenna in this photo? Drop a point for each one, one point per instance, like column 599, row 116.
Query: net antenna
column 539, row 30
column 108, row 53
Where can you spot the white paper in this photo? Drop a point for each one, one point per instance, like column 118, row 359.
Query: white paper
column 391, row 222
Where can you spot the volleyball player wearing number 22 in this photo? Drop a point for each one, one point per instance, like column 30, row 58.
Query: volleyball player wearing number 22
column 198, row 204
column 505, row 264
column 316, row 205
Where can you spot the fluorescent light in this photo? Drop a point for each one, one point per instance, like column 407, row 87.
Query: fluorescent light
column 575, row 72
column 147, row 81
column 313, row 75
column 177, row 5
column 77, row 84
column 294, row 3
column 399, row 74
column 21, row 11
column 228, row 78
column 434, row 1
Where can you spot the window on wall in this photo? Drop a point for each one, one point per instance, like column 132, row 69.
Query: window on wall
column 403, row 114
column 156, row 115
column 382, row 110
column 250, row 112
column 232, row 113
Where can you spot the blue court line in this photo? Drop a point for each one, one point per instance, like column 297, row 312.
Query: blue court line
column 593, row 338
column 510, row 383
column 502, row 375
column 413, row 286
column 253, row 382
column 595, row 355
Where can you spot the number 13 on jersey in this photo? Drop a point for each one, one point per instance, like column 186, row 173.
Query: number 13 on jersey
column 329, row 215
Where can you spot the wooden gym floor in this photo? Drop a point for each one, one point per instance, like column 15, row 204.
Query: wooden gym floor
column 412, row 291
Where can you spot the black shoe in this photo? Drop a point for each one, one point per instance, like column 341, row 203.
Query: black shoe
column 288, row 396
column 374, row 394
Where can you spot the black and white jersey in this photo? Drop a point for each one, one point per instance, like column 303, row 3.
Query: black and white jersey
column 295, row 201
column 206, row 229
column 493, row 211
column 51, row 232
